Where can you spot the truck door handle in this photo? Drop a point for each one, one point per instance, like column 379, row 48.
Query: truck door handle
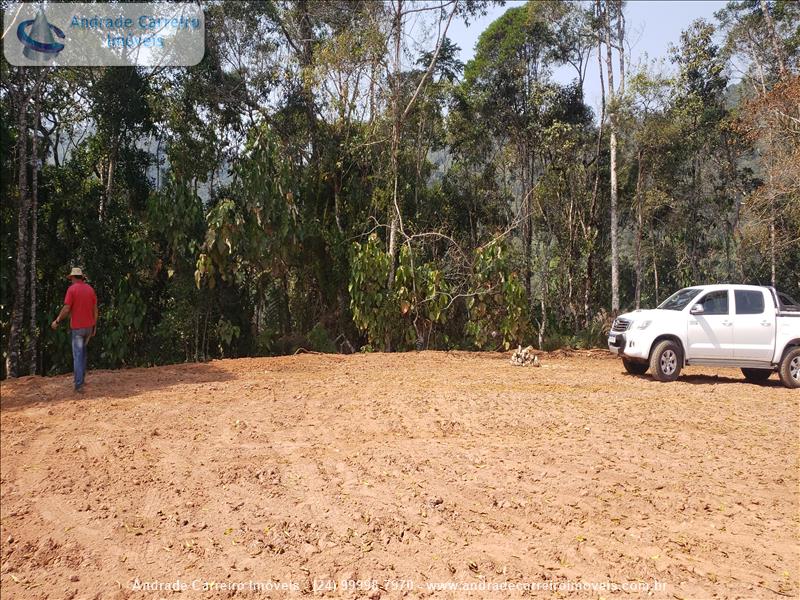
column 766, row 323
column 727, row 323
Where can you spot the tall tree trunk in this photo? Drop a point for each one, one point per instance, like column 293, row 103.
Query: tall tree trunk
column 526, row 208
column 639, row 229
column 205, row 333
column 591, row 229
column 196, row 334
column 373, row 73
column 773, row 36
column 614, row 223
column 107, row 177
column 34, row 330
column 655, row 271
column 587, row 291
column 543, row 272
column 398, row 115
column 772, row 253
column 112, row 167
column 615, row 217
column 21, row 279
column 302, row 43
column 394, row 209
column 693, row 220
column 621, row 45
column 307, row 65
column 613, row 166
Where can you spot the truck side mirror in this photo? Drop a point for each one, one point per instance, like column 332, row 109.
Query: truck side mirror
column 697, row 309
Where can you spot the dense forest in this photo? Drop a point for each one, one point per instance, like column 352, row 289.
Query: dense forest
column 332, row 177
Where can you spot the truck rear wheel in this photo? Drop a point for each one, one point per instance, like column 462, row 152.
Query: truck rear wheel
column 756, row 374
column 666, row 361
column 633, row 367
column 790, row 368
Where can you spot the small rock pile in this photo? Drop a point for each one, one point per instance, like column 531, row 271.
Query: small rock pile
column 525, row 357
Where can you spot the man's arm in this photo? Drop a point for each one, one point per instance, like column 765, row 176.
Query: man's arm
column 61, row 316
column 96, row 314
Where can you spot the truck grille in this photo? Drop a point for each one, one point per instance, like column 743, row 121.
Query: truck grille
column 620, row 325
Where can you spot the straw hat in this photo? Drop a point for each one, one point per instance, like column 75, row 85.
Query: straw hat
column 76, row 272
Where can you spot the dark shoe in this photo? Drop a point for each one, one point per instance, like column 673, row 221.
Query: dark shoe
column 79, row 390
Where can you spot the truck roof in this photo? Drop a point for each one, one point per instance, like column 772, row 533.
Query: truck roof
column 725, row 286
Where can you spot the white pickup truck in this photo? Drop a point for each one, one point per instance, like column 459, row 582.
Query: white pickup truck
column 754, row 328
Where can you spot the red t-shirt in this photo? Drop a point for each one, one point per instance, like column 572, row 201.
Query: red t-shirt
column 81, row 301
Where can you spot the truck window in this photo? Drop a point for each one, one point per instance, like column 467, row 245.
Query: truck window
column 788, row 303
column 749, row 302
column 715, row 303
column 679, row 300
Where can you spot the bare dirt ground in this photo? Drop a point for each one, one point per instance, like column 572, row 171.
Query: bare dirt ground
column 408, row 470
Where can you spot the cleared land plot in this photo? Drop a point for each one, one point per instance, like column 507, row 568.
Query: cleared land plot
column 417, row 468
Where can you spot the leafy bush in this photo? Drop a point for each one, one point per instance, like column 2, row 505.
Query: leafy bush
column 498, row 313
column 226, row 332
column 320, row 341
column 403, row 315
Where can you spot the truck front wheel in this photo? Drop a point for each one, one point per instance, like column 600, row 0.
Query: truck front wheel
column 790, row 369
column 666, row 361
column 756, row 375
column 633, row 367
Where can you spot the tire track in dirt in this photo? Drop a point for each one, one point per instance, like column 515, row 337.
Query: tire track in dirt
column 428, row 466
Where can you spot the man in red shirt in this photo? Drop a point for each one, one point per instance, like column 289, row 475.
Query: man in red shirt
column 80, row 304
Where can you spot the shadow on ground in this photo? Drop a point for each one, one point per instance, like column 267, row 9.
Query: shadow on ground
column 712, row 379
column 30, row 391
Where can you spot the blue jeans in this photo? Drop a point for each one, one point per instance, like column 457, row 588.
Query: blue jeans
column 80, row 353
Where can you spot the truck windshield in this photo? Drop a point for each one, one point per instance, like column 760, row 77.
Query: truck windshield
column 680, row 299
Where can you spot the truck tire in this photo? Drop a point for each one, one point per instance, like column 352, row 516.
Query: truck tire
column 666, row 361
column 633, row 367
column 756, row 375
column 790, row 368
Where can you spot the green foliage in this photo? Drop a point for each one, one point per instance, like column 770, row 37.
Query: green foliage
column 498, row 313
column 375, row 312
column 253, row 226
column 122, row 325
column 320, row 340
column 594, row 335
column 404, row 314
column 226, row 333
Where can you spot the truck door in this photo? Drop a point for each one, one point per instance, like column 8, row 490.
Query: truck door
column 710, row 333
column 754, row 325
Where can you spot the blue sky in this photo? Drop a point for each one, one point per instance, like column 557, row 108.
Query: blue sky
column 652, row 25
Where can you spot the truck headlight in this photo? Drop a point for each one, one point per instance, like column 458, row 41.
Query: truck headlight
column 643, row 325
